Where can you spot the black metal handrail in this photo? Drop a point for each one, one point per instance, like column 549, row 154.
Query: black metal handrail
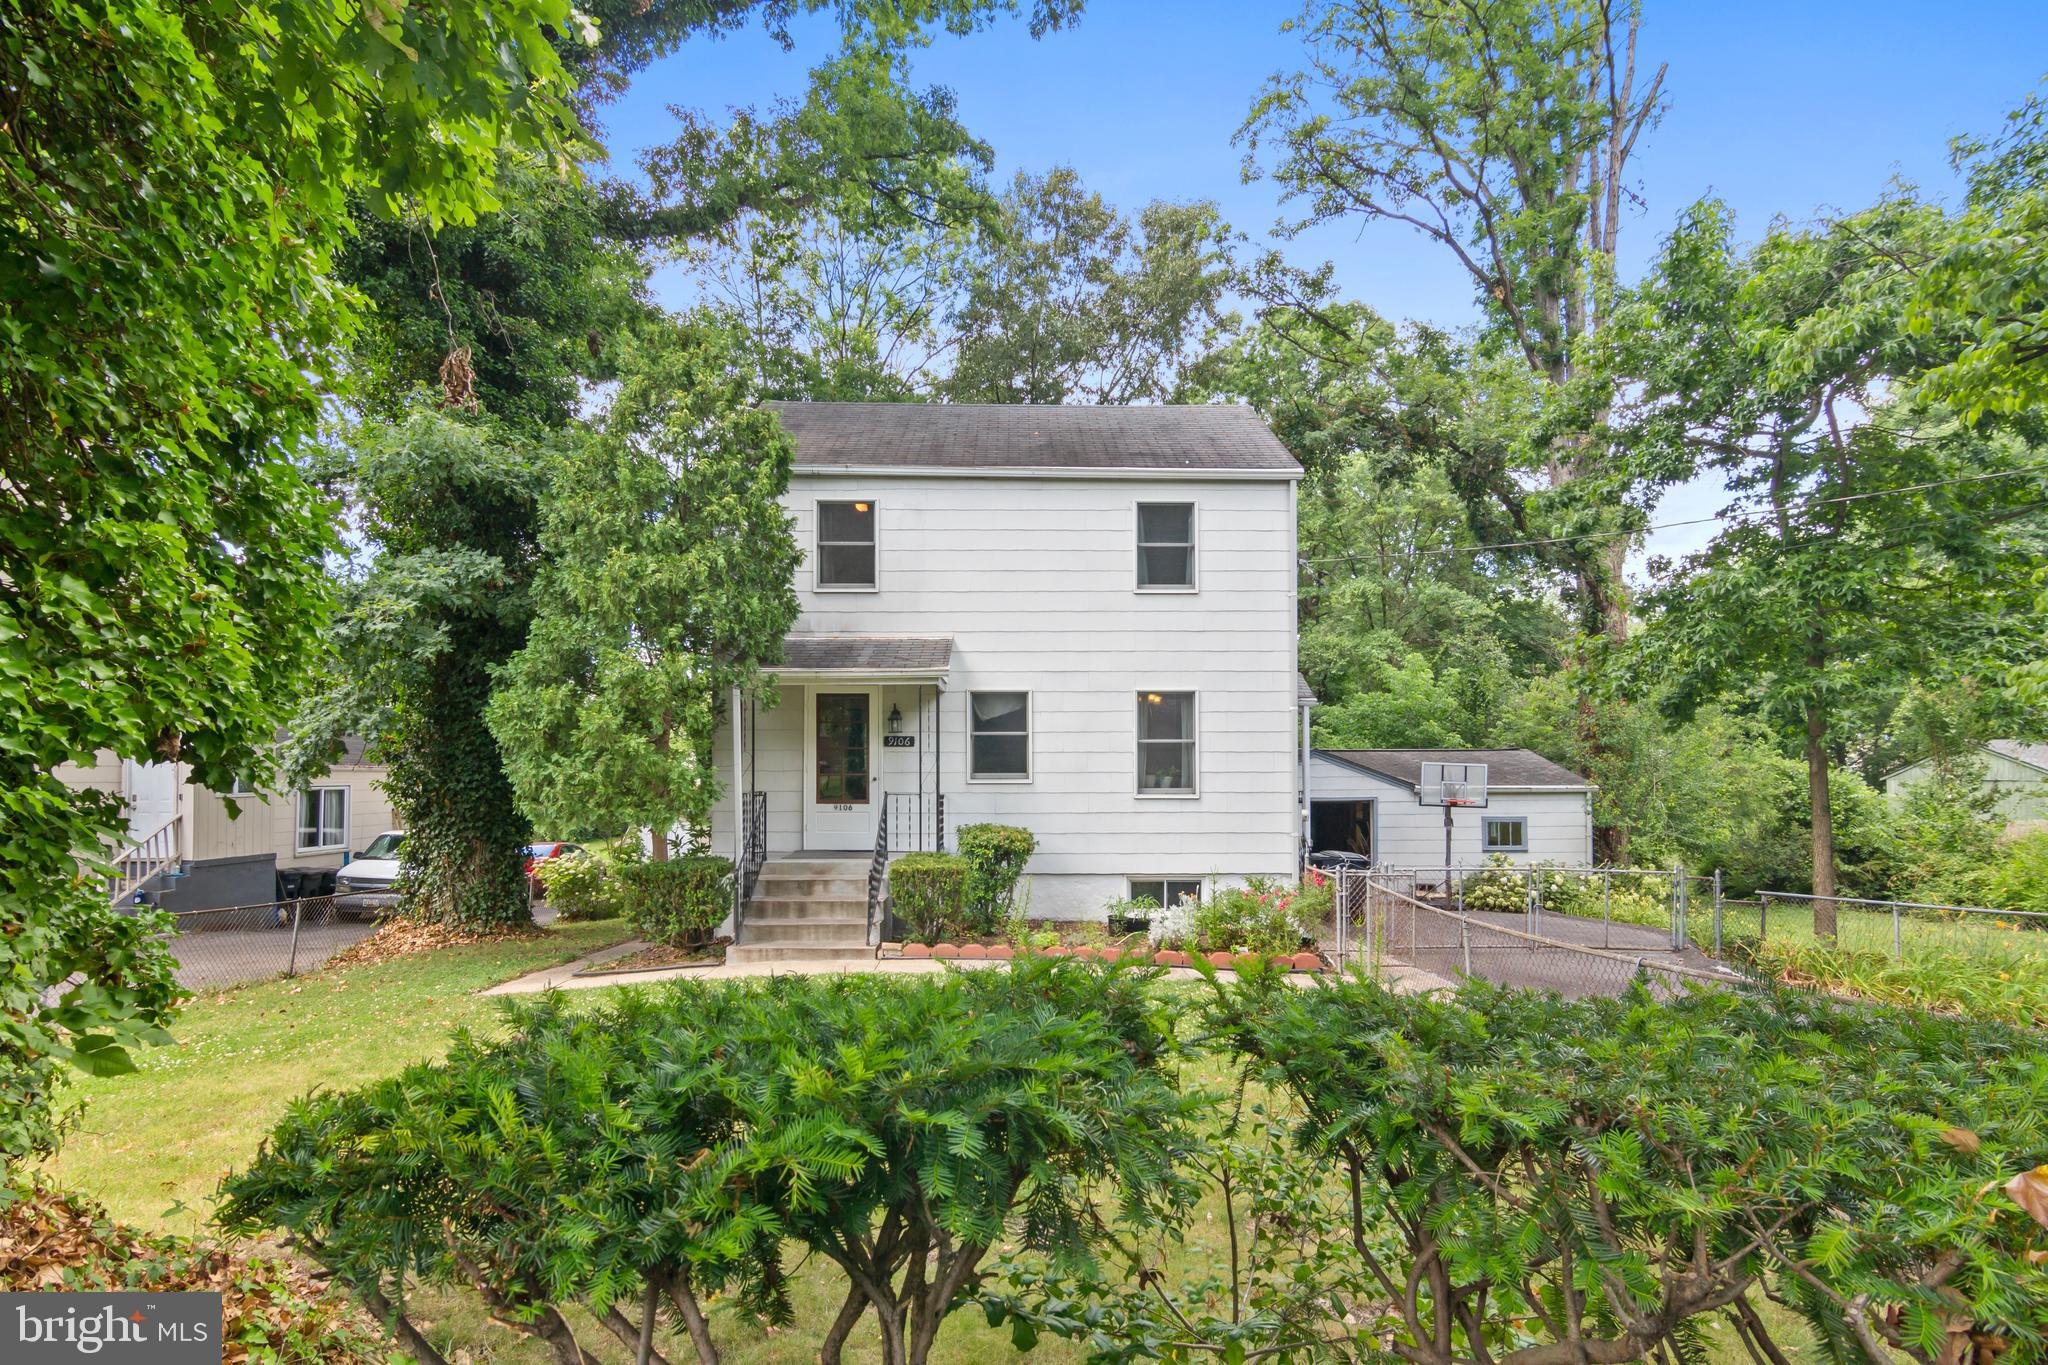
column 877, row 869
column 753, row 853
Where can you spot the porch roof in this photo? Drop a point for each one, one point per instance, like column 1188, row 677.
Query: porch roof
column 867, row 656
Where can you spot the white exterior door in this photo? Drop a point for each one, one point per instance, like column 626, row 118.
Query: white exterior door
column 152, row 796
column 844, row 790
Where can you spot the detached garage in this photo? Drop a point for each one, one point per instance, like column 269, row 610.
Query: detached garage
column 1366, row 801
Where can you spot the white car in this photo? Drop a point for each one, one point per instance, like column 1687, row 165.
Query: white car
column 366, row 884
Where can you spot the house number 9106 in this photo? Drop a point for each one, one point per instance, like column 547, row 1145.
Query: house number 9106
column 846, row 808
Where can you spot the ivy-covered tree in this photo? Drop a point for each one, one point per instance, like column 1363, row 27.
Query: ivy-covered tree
column 668, row 584
column 174, row 191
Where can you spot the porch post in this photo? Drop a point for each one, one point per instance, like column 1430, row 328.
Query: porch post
column 739, row 799
column 1306, row 756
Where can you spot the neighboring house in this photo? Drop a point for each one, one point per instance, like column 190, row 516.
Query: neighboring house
column 1365, row 801
column 2015, row 774
column 1080, row 620
column 190, row 852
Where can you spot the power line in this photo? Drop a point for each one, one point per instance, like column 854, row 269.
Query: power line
column 1790, row 508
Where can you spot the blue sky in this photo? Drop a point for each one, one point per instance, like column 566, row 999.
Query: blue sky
column 1787, row 109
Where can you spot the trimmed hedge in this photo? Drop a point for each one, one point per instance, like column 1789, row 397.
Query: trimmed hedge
column 928, row 892
column 679, row 901
column 995, row 855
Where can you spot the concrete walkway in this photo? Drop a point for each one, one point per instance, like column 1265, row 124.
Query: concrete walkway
column 1399, row 977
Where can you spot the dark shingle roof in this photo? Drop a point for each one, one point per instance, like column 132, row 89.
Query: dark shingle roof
column 1020, row 436
column 867, row 653
column 1304, row 695
column 2035, row 755
column 1504, row 767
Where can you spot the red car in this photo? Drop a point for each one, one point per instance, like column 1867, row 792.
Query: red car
column 536, row 854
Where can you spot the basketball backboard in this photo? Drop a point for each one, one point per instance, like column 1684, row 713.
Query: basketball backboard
column 1452, row 784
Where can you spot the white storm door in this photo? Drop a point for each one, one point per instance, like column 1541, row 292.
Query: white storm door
column 840, row 758
column 152, row 796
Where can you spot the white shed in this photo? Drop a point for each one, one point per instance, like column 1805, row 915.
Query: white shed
column 1365, row 801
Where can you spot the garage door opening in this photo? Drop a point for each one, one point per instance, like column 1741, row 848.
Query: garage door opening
column 1340, row 827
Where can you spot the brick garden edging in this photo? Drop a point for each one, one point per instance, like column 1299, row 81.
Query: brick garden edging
column 1003, row 952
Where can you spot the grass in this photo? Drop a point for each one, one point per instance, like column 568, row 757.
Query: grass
column 154, row 1144
column 1982, row 966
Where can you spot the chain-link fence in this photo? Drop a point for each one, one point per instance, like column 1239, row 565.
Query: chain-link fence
column 240, row 944
column 1422, row 924
column 1901, row 930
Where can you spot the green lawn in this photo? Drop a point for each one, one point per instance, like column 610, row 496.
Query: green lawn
column 163, row 1136
column 155, row 1144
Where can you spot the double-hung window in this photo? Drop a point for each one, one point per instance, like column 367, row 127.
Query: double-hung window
column 1505, row 834
column 1166, row 546
column 323, row 819
column 1001, row 741
column 846, row 545
column 1166, row 744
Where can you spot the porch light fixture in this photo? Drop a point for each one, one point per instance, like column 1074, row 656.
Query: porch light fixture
column 895, row 720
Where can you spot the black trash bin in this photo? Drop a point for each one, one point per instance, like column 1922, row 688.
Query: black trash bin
column 291, row 883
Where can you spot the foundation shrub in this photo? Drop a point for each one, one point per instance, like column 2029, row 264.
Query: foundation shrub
column 928, row 892
column 676, row 900
column 995, row 856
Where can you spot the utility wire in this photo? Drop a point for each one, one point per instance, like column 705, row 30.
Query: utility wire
column 1790, row 508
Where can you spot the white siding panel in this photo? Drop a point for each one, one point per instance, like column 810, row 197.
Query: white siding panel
column 1408, row 834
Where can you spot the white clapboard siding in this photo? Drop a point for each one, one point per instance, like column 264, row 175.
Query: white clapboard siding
column 1409, row 834
column 1035, row 581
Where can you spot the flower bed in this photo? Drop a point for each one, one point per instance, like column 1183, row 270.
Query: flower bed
column 1002, row 952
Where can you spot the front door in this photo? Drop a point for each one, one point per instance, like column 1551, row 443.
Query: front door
column 152, row 797
column 844, row 797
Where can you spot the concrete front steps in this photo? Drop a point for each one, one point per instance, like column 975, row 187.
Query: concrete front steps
column 806, row 910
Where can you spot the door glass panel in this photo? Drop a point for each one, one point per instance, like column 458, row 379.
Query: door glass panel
column 842, row 748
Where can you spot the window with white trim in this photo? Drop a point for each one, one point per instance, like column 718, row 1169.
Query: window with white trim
column 1166, row 892
column 1166, row 744
column 846, row 545
column 1166, row 545
column 1505, row 834
column 1000, row 744
column 323, row 819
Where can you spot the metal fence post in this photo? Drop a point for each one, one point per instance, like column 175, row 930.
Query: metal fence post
column 1717, row 912
column 291, row 965
column 1465, row 942
column 1679, row 891
column 1606, row 907
column 1898, row 939
column 1533, row 912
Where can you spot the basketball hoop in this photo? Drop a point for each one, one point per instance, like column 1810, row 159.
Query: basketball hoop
column 1451, row 785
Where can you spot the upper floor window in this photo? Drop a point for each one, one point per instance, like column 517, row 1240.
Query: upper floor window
column 1002, row 736
column 846, row 545
column 1166, row 545
column 1166, row 743
column 323, row 819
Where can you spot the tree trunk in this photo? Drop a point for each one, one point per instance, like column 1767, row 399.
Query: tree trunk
column 1823, row 821
column 842, row 1327
column 657, row 845
column 684, row 1297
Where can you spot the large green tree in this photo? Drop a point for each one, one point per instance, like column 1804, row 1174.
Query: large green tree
column 175, row 188
column 1072, row 301
column 1869, row 542
column 1502, row 131
column 668, row 585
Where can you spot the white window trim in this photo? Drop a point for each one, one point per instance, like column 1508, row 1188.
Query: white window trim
column 1194, row 583
column 1486, row 846
column 818, row 507
column 1195, row 727
column 1030, row 740
column 299, row 830
column 1201, row 885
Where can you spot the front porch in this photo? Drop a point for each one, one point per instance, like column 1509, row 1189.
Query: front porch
column 846, row 767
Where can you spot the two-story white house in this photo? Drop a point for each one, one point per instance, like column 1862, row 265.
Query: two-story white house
column 1079, row 620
